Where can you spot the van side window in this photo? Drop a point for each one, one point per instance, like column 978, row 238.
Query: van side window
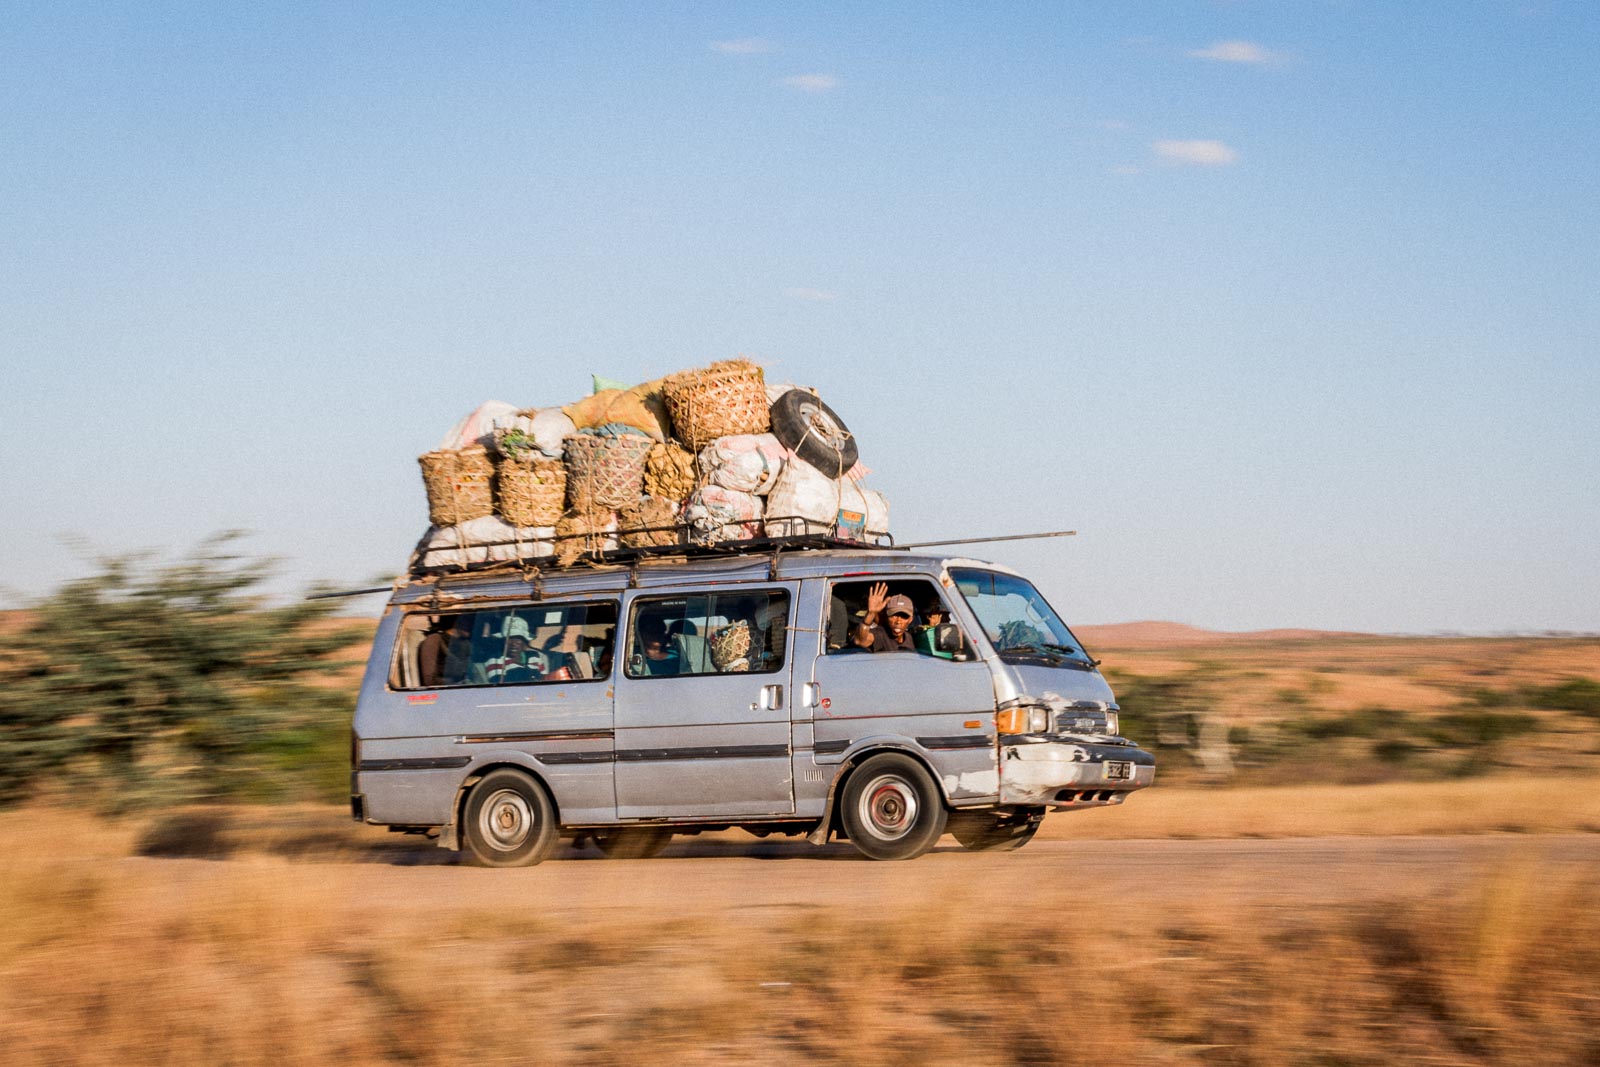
column 505, row 646
column 930, row 632
column 710, row 633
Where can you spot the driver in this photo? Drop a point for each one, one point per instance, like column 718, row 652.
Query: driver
column 893, row 633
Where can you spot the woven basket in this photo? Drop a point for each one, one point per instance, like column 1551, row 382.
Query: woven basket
column 655, row 514
column 459, row 484
column 730, row 647
column 716, row 401
column 669, row 472
column 531, row 492
column 605, row 473
column 581, row 535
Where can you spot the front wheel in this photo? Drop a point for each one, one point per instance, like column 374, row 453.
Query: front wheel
column 892, row 808
column 509, row 821
column 987, row 833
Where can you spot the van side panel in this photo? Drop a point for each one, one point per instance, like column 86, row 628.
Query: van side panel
column 418, row 746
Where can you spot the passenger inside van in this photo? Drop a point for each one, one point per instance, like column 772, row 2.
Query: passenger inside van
column 660, row 657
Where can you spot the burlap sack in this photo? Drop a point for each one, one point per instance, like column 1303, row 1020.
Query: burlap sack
column 652, row 521
column 669, row 472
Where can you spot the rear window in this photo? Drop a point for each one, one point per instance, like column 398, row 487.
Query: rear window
column 526, row 645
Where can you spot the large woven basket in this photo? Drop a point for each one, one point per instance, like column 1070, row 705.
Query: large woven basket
column 652, row 521
column 531, row 492
column 725, row 398
column 669, row 472
column 459, row 485
column 605, row 473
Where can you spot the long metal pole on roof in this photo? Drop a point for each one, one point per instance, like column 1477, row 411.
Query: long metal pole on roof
column 351, row 592
column 986, row 540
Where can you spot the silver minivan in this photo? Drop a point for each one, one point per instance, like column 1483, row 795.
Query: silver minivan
column 874, row 694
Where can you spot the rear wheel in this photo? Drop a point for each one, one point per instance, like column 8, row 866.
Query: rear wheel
column 633, row 842
column 989, row 833
column 508, row 822
column 892, row 808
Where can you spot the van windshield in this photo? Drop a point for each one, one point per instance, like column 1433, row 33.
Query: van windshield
column 1020, row 624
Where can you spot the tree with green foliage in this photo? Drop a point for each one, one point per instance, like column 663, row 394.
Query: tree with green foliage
column 151, row 681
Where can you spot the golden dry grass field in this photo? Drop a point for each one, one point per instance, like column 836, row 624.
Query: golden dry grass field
column 1312, row 905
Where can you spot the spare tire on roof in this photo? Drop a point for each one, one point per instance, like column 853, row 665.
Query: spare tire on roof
column 807, row 427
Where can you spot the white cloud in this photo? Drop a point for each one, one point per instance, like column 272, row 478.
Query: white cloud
column 1237, row 52
column 744, row 46
column 1196, row 153
column 803, row 293
column 810, row 83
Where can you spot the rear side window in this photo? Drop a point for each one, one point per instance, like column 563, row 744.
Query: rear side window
column 542, row 644
column 710, row 633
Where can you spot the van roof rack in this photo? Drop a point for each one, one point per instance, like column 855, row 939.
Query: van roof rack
column 773, row 546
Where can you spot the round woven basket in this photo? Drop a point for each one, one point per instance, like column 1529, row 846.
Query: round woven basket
column 730, row 647
column 669, row 472
column 725, row 398
column 459, row 485
column 652, row 521
column 531, row 492
column 605, row 473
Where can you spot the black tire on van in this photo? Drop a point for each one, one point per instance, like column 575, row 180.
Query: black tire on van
column 508, row 821
column 892, row 808
column 804, row 424
column 988, row 833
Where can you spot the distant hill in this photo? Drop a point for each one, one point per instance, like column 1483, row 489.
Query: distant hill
column 1151, row 634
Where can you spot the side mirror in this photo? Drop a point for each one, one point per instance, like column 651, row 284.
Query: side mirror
column 949, row 639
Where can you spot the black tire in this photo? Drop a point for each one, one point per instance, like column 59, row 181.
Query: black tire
column 508, row 821
column 804, row 424
column 989, row 833
column 892, row 808
column 632, row 842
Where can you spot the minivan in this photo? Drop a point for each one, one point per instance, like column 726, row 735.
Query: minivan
column 618, row 704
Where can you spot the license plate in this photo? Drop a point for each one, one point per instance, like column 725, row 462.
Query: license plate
column 1116, row 770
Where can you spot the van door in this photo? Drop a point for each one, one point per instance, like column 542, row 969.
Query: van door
column 702, row 703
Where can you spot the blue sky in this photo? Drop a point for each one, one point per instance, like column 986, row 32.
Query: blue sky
column 1289, row 308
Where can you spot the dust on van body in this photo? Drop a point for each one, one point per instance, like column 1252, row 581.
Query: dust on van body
column 625, row 703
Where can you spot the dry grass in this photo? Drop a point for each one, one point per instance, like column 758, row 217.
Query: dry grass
column 267, row 966
column 1513, row 804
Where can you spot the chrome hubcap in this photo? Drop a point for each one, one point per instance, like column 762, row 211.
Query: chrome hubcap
column 889, row 806
column 506, row 820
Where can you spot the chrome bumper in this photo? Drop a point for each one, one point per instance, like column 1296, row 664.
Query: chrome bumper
column 1071, row 773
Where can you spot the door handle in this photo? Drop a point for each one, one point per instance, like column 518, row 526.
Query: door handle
column 810, row 695
column 770, row 699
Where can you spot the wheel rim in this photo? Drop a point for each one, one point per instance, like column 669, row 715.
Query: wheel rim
column 889, row 807
column 506, row 820
column 825, row 427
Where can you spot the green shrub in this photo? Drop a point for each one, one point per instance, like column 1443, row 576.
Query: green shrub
column 1581, row 695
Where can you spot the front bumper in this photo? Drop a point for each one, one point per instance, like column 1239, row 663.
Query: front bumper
column 1067, row 773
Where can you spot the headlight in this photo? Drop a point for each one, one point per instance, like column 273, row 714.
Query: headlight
column 1113, row 724
column 1027, row 719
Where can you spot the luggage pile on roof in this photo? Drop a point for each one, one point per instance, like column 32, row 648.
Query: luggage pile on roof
column 704, row 456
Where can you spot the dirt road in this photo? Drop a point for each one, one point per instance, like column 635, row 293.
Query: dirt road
column 736, row 875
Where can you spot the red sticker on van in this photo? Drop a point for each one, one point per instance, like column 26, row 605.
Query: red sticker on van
column 422, row 698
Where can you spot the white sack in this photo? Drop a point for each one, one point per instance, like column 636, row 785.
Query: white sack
column 482, row 540
column 745, row 463
column 550, row 427
column 478, row 427
column 806, row 501
column 715, row 513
